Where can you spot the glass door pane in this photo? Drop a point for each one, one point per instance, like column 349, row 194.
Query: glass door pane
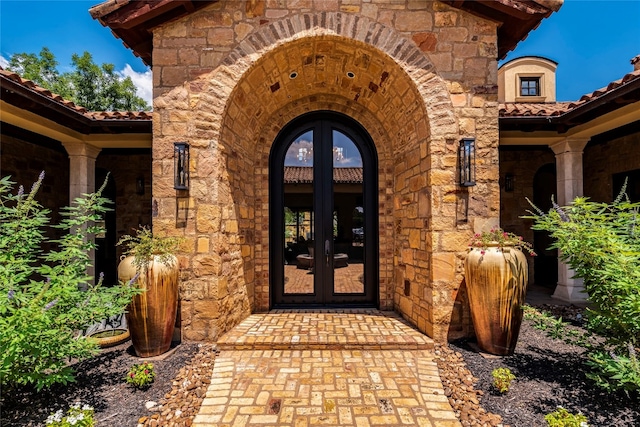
column 299, row 217
column 348, row 216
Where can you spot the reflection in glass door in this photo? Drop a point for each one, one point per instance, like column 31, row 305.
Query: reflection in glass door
column 322, row 216
column 348, row 227
column 299, row 217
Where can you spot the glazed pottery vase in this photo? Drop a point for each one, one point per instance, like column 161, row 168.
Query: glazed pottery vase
column 496, row 283
column 152, row 314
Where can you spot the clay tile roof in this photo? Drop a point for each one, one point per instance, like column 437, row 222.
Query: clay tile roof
column 554, row 109
column 93, row 115
column 42, row 91
column 523, row 109
column 120, row 115
column 304, row 175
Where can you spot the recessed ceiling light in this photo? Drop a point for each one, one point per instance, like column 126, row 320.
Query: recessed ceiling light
column 350, row 74
column 293, row 75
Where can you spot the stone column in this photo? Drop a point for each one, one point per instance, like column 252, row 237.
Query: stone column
column 569, row 186
column 82, row 176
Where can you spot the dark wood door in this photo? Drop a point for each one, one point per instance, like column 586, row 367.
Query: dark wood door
column 324, row 228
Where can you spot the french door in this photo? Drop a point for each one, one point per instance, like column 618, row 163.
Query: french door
column 323, row 236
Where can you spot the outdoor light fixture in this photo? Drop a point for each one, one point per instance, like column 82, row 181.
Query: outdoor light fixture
column 181, row 165
column 508, row 182
column 467, row 159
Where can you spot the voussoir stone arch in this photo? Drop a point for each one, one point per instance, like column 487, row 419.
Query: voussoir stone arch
column 355, row 29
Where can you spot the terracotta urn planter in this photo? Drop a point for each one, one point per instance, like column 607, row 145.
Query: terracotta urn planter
column 496, row 277
column 152, row 314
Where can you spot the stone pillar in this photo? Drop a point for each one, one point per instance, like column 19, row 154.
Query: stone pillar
column 569, row 186
column 82, row 176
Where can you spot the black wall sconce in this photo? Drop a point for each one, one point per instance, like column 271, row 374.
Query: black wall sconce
column 508, row 182
column 181, row 165
column 467, row 159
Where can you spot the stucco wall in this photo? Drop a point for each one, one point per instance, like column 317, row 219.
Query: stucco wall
column 425, row 76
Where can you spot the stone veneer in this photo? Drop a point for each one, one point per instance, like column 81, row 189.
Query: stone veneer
column 425, row 76
column 25, row 159
column 622, row 154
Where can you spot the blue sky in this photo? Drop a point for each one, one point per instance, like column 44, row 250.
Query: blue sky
column 592, row 40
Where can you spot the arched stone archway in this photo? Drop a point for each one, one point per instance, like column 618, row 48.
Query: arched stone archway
column 308, row 62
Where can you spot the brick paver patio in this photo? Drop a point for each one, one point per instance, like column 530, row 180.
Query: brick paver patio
column 325, row 368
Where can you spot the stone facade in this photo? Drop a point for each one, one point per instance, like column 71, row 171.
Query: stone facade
column 132, row 207
column 622, row 155
column 24, row 158
column 424, row 76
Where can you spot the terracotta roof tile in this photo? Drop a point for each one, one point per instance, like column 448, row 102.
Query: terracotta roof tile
column 94, row 115
column 551, row 109
column 304, row 175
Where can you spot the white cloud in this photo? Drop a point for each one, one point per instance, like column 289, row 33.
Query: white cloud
column 3, row 62
column 142, row 81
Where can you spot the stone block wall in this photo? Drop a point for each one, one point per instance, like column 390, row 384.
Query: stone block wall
column 125, row 167
column 24, row 159
column 621, row 154
column 522, row 163
column 423, row 76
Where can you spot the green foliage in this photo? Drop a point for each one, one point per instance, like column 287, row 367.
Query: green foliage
column 502, row 378
column 95, row 87
column 601, row 243
column 562, row 418
column 47, row 298
column 497, row 236
column 611, row 371
column 141, row 376
column 615, row 372
column 145, row 244
column 76, row 416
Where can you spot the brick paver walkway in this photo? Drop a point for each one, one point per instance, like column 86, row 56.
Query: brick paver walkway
column 325, row 368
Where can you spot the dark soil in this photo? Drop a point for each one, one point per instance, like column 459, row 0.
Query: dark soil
column 99, row 383
column 548, row 374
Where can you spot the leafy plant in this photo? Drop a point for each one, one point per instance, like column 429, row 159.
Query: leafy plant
column 144, row 245
column 48, row 298
column 563, row 418
column 141, row 376
column 601, row 243
column 502, row 378
column 500, row 238
column 76, row 416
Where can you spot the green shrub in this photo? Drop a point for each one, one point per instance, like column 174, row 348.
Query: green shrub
column 502, row 378
column 562, row 418
column 76, row 416
column 601, row 243
column 47, row 298
column 141, row 376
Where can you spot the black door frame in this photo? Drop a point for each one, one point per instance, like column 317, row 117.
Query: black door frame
column 325, row 122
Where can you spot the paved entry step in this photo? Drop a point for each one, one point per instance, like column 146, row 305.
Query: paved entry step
column 308, row 388
column 362, row 329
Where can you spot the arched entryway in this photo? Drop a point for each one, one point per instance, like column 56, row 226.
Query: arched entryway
column 545, row 265
column 324, row 228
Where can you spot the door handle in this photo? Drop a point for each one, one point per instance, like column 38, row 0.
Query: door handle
column 327, row 248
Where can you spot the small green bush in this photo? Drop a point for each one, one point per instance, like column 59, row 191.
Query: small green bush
column 141, row 376
column 76, row 416
column 502, row 378
column 562, row 418
column 46, row 299
column 601, row 243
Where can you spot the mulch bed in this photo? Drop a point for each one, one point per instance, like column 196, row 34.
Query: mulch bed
column 548, row 374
